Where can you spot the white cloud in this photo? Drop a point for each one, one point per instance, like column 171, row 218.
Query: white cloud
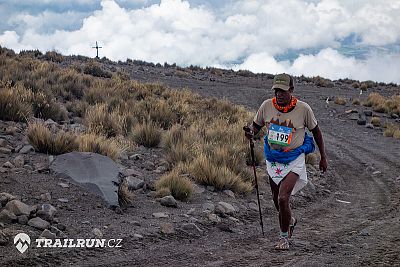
column 253, row 32
column 331, row 64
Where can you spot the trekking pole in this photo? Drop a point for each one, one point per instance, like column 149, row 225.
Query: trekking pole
column 247, row 129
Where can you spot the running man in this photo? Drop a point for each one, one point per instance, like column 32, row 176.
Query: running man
column 286, row 144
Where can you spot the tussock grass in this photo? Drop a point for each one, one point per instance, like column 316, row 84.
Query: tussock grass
column 147, row 134
column 100, row 122
column 13, row 104
column 99, row 144
column 384, row 105
column 41, row 138
column 356, row 102
column 205, row 172
column 340, row 101
column 180, row 187
column 312, row 158
column 396, row 134
column 46, row 108
column 376, row 121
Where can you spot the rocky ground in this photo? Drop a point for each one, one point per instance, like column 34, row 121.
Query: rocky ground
column 348, row 216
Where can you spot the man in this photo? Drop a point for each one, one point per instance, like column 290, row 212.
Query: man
column 286, row 144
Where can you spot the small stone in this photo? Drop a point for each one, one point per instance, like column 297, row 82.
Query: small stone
column 3, row 142
column 132, row 172
column 5, row 197
column 11, row 130
column 46, row 197
column 137, row 236
column 134, row 183
column 368, row 113
column 19, row 161
column 5, row 150
column 169, row 201
column 97, row 233
column 26, row 149
column 63, row 200
column 50, row 122
column 8, row 165
column 253, row 206
column 376, row 172
column 61, row 226
column 224, row 208
column 84, row 222
column 167, row 228
column 135, row 157
column 51, row 159
column 161, row 169
column 208, row 206
column 364, row 232
column 233, row 219
column 353, row 116
column 38, row 223
column 7, row 216
column 191, row 228
column 159, row 215
column 18, row 208
column 47, row 212
column 210, row 188
column 23, row 219
column 3, row 239
column 63, row 185
column 362, row 120
column 394, row 116
column 47, row 234
column 229, row 193
column 191, row 211
column 369, row 126
column 41, row 167
column 214, row 218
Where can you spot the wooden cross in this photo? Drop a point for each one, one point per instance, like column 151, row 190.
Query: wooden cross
column 97, row 49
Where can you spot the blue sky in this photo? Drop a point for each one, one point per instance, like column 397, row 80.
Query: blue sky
column 359, row 39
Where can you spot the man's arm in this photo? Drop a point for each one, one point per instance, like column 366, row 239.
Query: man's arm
column 323, row 164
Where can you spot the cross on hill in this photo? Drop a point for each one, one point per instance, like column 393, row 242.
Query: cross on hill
column 97, row 49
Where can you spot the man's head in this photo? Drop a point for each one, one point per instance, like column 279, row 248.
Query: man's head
column 283, row 86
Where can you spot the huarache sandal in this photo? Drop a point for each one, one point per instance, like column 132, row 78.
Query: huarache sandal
column 283, row 243
column 293, row 223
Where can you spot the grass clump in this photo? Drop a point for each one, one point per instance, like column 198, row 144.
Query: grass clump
column 356, row 102
column 41, row 138
column 383, row 105
column 100, row 122
column 340, row 101
column 180, row 187
column 100, row 145
column 376, row 121
column 147, row 134
column 396, row 134
column 13, row 105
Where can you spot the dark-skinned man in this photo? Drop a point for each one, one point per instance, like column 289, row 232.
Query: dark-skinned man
column 286, row 144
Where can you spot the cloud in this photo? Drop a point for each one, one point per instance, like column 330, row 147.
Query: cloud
column 331, row 64
column 189, row 32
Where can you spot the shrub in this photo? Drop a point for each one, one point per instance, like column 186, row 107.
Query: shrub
column 356, row 101
column 355, row 85
column 125, row 196
column 179, row 186
column 53, row 56
column 312, row 158
column 340, row 101
column 376, row 121
column 95, row 70
column 41, row 138
column 147, row 134
column 13, row 105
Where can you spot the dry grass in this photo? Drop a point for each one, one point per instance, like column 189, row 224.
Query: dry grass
column 390, row 129
column 381, row 104
column 356, row 102
column 100, row 122
column 45, row 107
column 396, row 134
column 147, row 134
column 340, row 101
column 13, row 105
column 312, row 158
column 376, row 121
column 41, row 138
column 99, row 144
column 205, row 172
column 125, row 196
column 180, row 187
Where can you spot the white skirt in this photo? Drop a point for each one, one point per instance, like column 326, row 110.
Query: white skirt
column 278, row 171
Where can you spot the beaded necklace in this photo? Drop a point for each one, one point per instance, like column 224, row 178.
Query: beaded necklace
column 285, row 109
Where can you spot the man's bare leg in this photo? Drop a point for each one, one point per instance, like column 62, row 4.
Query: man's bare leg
column 285, row 215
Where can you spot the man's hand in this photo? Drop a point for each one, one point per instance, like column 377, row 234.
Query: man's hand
column 323, row 164
column 248, row 132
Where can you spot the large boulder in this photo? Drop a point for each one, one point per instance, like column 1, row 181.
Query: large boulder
column 99, row 174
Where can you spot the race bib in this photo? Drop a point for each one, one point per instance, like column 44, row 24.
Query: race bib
column 280, row 135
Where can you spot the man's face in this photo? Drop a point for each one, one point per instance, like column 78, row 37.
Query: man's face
column 283, row 97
